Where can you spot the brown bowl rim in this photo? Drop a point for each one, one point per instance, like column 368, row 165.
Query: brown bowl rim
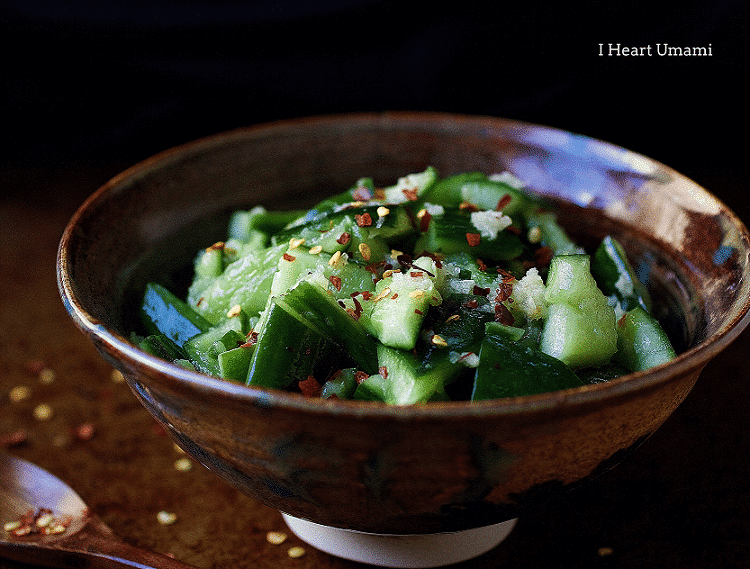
column 694, row 358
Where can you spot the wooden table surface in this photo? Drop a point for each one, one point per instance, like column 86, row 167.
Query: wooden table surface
column 682, row 500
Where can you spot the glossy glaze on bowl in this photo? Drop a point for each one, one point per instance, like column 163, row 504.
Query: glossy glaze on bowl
column 421, row 469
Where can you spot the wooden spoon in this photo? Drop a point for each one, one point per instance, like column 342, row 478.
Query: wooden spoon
column 61, row 531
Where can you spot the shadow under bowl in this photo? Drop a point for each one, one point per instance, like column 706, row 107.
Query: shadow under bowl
column 420, row 469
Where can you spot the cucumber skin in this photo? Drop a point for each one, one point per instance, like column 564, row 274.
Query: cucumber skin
column 641, row 341
column 511, row 369
column 287, row 349
column 163, row 313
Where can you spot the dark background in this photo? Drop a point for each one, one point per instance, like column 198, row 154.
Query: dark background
column 90, row 88
column 118, row 81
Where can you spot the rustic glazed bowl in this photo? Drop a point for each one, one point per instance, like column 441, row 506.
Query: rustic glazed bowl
column 441, row 467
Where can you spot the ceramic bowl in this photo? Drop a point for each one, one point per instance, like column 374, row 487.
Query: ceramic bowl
column 441, row 467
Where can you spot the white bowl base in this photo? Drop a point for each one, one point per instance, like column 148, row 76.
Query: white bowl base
column 394, row 550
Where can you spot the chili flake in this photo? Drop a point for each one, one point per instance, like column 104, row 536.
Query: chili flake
column 503, row 202
column 410, row 194
column 344, row 238
column 288, row 257
column 473, row 239
column 363, row 220
column 383, row 371
column 335, row 281
column 360, row 376
column 310, row 387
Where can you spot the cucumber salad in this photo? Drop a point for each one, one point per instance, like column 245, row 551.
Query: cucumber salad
column 433, row 289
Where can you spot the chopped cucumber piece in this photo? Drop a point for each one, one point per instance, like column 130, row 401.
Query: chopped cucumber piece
column 641, row 341
column 580, row 328
column 510, row 369
column 163, row 313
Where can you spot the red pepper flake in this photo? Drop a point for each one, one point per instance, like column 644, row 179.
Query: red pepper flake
column 471, row 303
column 395, row 296
column 504, row 291
column 506, row 275
column 417, row 311
column 35, row 367
column 362, row 194
column 410, row 194
column 288, row 257
column 473, row 239
column 503, row 315
column 543, row 256
column 363, row 220
column 310, row 387
column 335, row 281
column 424, row 221
column 360, row 376
column 344, row 238
column 84, row 431
column 416, row 274
column 383, row 371
column 14, row 439
column 251, row 337
column 503, row 202
column 479, row 291
column 354, row 313
column 482, row 265
column 200, row 301
column 513, row 229
column 468, row 206
column 366, row 294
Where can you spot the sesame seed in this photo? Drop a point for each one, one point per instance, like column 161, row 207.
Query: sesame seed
column 294, row 243
column 315, row 250
column 44, row 520
column 117, row 376
column 19, row 393
column 10, row 526
column 56, row 528
column 183, row 464
column 438, row 341
column 416, row 293
column 365, row 251
column 47, row 375
column 535, row 234
column 296, row 552
column 276, row 537
column 334, row 258
column 42, row 412
column 166, row 518
column 236, row 310
column 383, row 211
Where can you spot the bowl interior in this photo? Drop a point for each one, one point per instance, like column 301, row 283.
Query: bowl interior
column 152, row 219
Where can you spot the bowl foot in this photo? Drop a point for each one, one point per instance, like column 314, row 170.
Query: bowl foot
column 389, row 550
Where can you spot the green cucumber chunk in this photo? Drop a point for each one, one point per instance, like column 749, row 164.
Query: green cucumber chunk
column 400, row 381
column 163, row 313
column 580, row 328
column 641, row 341
column 288, row 348
column 320, row 308
column 203, row 349
column 510, row 369
column 617, row 277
